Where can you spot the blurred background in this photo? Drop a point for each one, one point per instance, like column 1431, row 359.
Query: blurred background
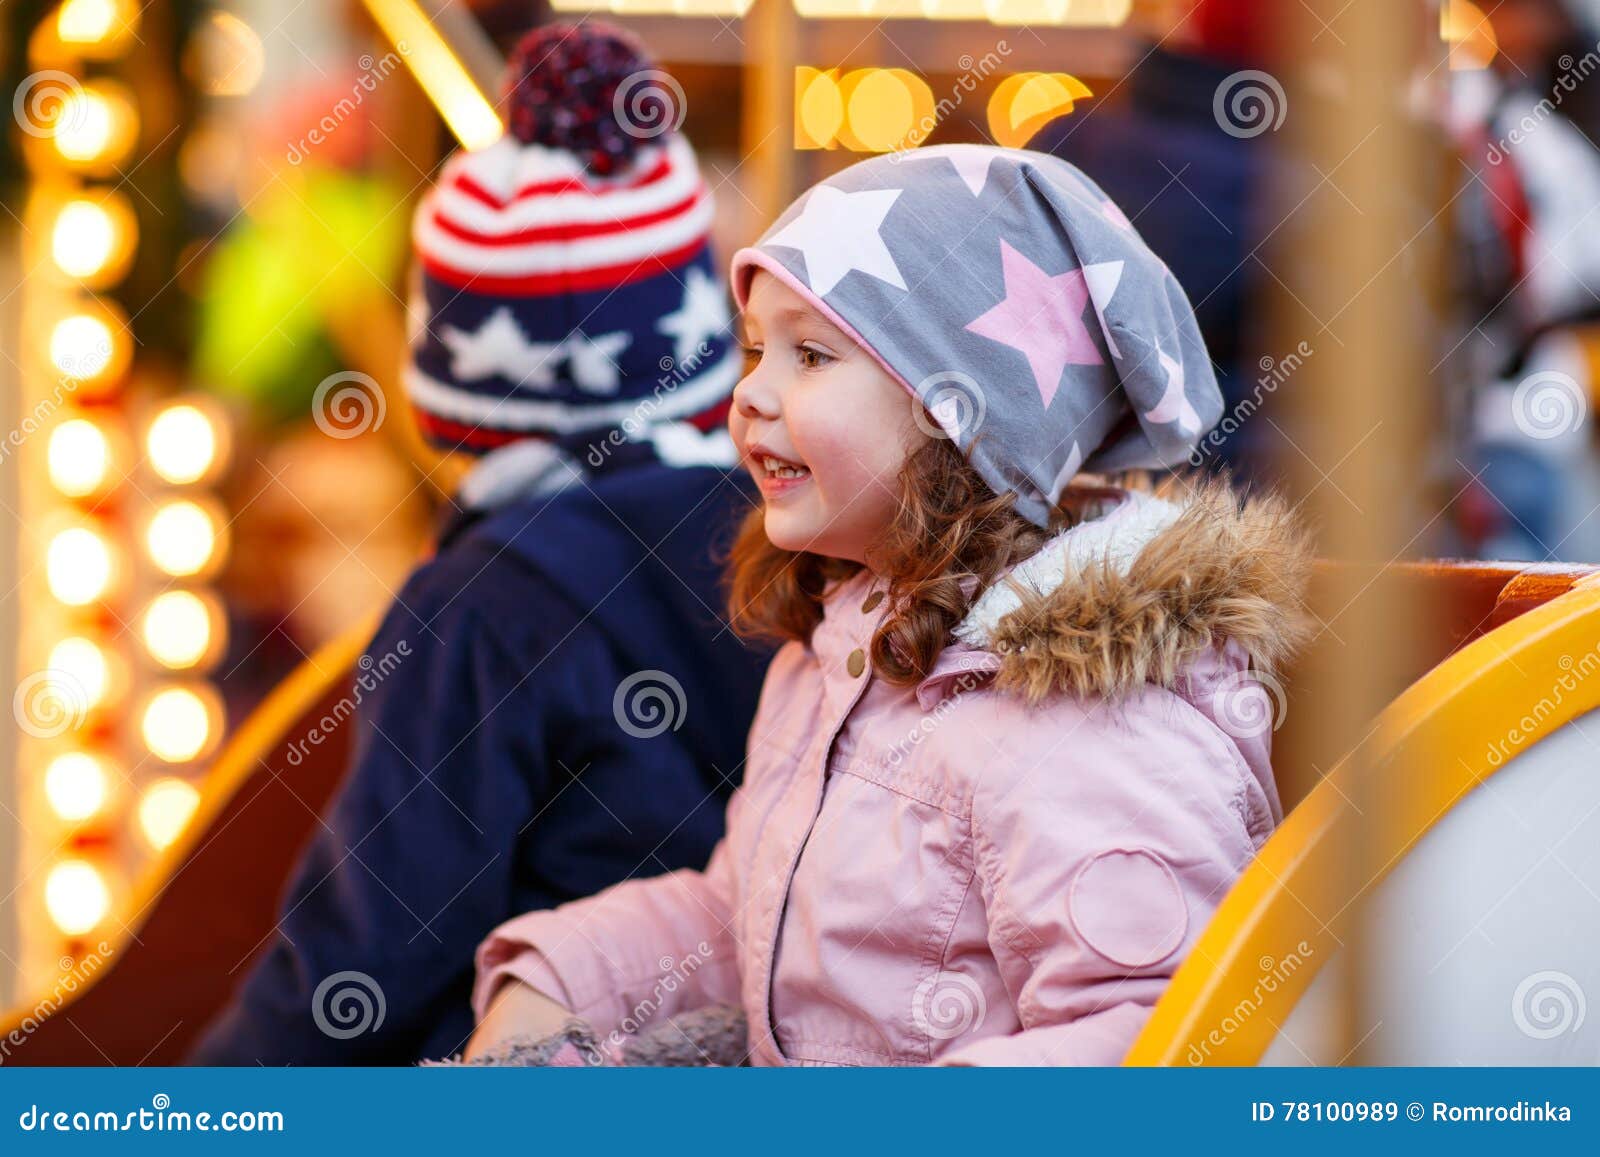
column 207, row 469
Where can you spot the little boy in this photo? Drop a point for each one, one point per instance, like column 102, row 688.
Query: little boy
column 571, row 710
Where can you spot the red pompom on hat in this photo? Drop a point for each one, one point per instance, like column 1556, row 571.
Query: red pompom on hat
column 589, row 89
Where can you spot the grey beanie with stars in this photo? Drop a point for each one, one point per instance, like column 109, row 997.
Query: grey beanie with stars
column 1004, row 290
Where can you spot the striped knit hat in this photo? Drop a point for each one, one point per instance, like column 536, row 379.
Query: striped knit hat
column 567, row 291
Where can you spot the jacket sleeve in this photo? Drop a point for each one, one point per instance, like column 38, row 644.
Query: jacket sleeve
column 1100, row 858
column 413, row 860
column 639, row 950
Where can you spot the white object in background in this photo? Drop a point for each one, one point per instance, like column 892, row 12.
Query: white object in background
column 1486, row 937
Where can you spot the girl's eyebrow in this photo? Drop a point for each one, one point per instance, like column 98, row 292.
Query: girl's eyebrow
column 791, row 315
column 795, row 313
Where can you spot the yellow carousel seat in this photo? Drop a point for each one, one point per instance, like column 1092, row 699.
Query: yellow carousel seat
column 1471, row 902
column 210, row 901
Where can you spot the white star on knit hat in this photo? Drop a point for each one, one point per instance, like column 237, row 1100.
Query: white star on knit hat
column 971, row 162
column 1174, row 405
column 837, row 232
column 499, row 346
column 1103, row 279
column 704, row 312
column 1069, row 471
column 591, row 360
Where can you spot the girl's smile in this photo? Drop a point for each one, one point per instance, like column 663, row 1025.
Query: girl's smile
column 775, row 474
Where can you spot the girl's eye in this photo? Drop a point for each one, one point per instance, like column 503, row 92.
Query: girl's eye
column 752, row 355
column 814, row 359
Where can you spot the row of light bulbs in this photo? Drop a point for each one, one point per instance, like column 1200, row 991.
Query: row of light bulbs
column 879, row 110
column 1063, row 13
column 91, row 567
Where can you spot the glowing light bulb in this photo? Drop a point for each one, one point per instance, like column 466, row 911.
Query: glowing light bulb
column 182, row 538
column 182, row 444
column 84, row 128
column 92, row 240
column 78, row 566
column 82, row 670
column 76, row 784
column 96, row 126
column 178, row 629
column 93, row 22
column 76, row 896
column 79, row 457
column 165, row 809
column 83, row 238
column 176, row 724
column 81, row 346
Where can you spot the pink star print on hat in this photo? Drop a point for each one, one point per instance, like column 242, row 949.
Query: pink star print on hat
column 1041, row 317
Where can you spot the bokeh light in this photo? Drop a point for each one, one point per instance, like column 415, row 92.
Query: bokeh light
column 178, row 723
column 79, row 566
column 1469, row 33
column 96, row 127
column 165, row 808
column 97, row 27
column 954, row 9
column 91, row 346
column 93, row 239
column 182, row 538
column 182, row 443
column 818, row 107
column 76, row 896
column 1072, row 13
column 79, row 458
column 885, row 109
column 77, row 785
column 83, row 669
column 226, row 56
column 180, row 628
column 1025, row 102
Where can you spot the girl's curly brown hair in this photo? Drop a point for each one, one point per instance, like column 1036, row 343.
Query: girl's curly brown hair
column 950, row 527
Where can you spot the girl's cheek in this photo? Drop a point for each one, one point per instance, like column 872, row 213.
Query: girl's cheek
column 858, row 448
column 828, row 449
column 846, row 445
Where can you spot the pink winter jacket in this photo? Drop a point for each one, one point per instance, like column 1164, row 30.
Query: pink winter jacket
column 953, row 872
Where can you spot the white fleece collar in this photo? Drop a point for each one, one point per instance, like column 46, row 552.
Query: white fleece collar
column 528, row 467
column 1115, row 538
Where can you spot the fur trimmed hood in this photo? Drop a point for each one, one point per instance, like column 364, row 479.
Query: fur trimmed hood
column 1133, row 595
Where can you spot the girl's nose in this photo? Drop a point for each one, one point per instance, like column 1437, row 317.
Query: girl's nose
column 754, row 398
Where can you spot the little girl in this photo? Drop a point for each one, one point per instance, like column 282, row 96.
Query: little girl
column 1014, row 750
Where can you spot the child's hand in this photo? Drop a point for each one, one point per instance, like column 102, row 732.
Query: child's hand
column 516, row 1010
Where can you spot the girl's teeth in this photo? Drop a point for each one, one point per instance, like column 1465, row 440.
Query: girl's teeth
column 778, row 468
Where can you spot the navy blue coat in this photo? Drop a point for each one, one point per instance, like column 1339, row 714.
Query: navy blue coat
column 491, row 775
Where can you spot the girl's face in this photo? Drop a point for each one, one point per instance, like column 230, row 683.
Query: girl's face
column 820, row 426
